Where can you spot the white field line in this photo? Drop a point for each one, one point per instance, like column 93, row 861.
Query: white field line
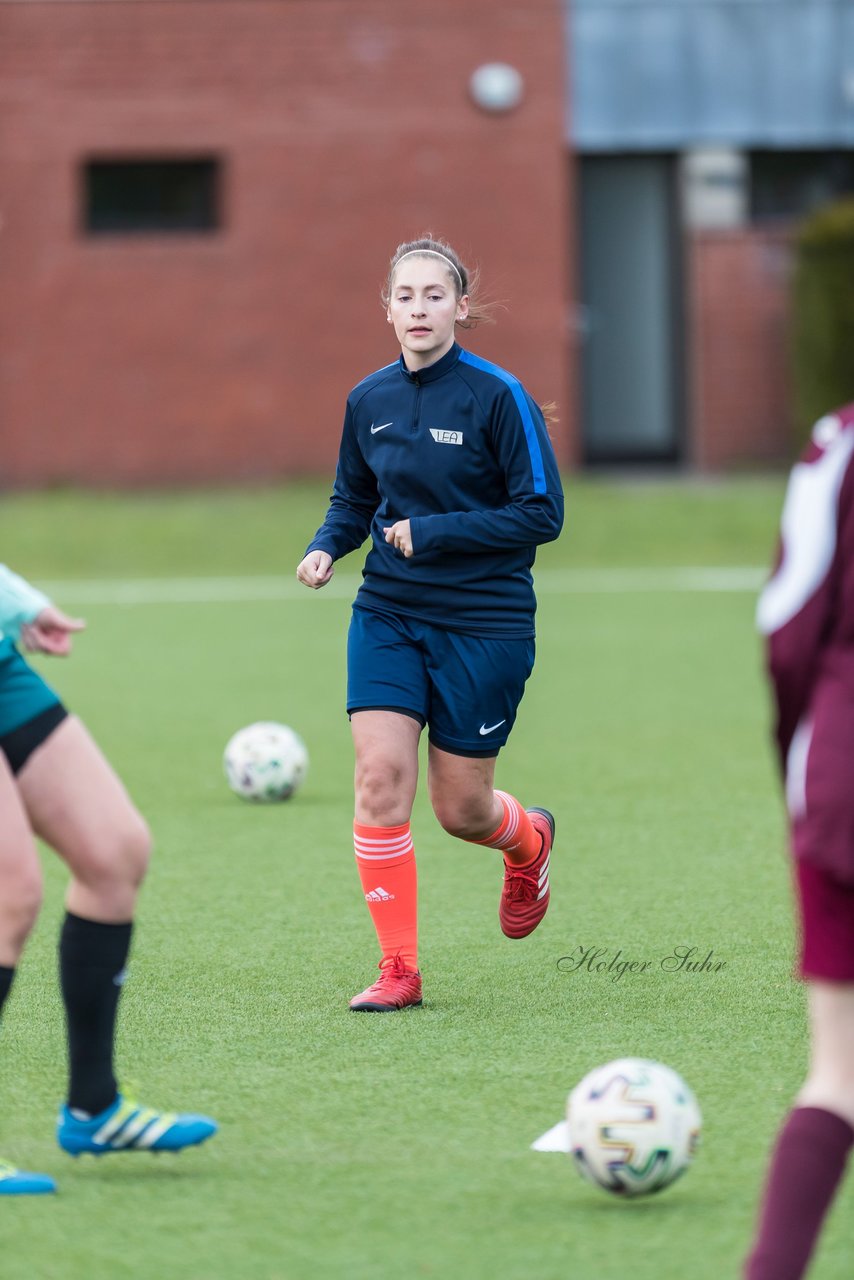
column 139, row 591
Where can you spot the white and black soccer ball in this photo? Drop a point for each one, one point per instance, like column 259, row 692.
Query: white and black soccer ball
column 634, row 1126
column 265, row 762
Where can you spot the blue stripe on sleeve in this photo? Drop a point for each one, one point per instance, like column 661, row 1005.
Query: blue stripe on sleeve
column 524, row 413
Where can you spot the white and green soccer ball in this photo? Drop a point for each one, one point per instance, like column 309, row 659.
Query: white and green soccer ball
column 634, row 1126
column 265, row 762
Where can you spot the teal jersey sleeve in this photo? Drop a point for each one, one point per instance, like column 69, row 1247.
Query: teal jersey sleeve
column 19, row 602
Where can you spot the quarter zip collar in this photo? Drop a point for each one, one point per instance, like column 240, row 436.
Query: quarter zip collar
column 432, row 371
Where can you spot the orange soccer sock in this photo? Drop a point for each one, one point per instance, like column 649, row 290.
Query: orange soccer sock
column 515, row 835
column 386, row 861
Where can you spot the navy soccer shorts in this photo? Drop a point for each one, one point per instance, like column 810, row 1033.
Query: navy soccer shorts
column 466, row 688
column 29, row 708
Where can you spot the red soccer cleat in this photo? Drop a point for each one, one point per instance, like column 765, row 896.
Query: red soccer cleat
column 396, row 988
column 525, row 896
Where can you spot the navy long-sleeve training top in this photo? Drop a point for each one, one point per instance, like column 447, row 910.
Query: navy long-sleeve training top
column 461, row 450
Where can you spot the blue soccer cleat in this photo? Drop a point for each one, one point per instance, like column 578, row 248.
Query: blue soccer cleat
column 15, row 1182
column 125, row 1126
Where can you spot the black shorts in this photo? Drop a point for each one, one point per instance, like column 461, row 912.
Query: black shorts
column 19, row 744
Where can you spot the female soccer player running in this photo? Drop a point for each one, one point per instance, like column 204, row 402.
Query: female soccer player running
column 446, row 462
column 807, row 614
column 54, row 782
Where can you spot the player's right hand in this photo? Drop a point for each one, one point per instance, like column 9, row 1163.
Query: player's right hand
column 50, row 632
column 315, row 570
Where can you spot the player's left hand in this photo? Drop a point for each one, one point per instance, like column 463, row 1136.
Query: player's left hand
column 400, row 537
column 50, row 632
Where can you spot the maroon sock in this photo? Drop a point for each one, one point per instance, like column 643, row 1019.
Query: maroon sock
column 806, row 1167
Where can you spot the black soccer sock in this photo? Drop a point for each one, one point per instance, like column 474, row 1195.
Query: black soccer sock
column 92, row 960
column 7, row 977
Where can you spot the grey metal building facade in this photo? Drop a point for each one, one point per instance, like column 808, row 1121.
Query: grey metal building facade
column 688, row 116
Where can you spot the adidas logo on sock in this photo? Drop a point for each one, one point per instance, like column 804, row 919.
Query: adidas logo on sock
column 379, row 895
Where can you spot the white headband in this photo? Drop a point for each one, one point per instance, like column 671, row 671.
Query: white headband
column 434, row 253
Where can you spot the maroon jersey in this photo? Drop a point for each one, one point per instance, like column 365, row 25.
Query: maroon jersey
column 806, row 611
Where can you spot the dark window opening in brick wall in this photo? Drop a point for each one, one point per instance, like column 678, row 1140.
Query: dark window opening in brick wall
column 791, row 184
column 151, row 196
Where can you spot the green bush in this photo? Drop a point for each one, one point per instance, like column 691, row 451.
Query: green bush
column 823, row 321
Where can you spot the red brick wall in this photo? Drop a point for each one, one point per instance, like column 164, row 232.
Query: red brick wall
column 738, row 311
column 343, row 129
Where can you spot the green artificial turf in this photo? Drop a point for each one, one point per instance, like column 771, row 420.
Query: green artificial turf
column 261, row 531
column 396, row 1147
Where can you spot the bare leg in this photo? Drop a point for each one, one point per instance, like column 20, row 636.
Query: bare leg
column 830, row 1083
column 20, row 873
column 386, row 745
column 20, row 898
column 78, row 805
column 462, row 794
column 464, row 801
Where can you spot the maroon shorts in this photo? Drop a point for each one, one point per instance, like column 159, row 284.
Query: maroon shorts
column 827, row 925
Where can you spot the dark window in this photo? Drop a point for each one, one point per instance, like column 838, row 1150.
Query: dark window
column 126, row 197
column 790, row 184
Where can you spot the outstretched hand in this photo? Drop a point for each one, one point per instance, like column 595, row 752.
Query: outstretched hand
column 50, row 632
column 315, row 569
